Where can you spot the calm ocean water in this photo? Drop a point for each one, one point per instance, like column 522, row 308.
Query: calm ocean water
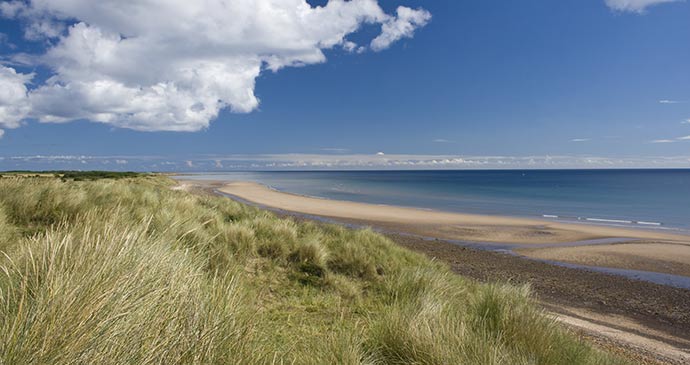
column 611, row 197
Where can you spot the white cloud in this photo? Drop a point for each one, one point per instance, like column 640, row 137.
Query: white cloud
column 687, row 121
column 14, row 103
column 442, row 140
column 335, row 149
column 173, row 65
column 402, row 26
column 349, row 46
column 686, row 138
column 666, row 101
column 40, row 24
column 635, row 6
column 11, row 9
column 580, row 140
column 2, row 133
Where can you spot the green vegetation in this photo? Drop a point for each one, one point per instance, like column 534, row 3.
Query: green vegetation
column 74, row 175
column 96, row 175
column 133, row 272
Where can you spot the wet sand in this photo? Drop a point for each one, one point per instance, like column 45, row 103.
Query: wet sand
column 663, row 257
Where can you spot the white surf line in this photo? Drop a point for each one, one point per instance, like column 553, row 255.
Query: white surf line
column 602, row 220
column 648, row 223
column 608, row 220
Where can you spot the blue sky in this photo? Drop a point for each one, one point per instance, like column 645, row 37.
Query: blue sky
column 522, row 82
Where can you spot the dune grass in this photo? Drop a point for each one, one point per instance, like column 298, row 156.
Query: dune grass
column 131, row 272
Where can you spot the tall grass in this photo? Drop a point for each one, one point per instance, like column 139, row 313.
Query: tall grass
column 131, row 272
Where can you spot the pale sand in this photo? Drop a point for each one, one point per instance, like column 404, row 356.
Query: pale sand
column 620, row 330
column 661, row 257
column 443, row 225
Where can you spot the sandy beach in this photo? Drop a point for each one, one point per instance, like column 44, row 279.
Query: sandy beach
column 445, row 225
column 647, row 250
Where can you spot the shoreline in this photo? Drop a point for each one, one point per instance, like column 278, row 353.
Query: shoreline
column 633, row 225
column 654, row 256
column 546, row 231
column 674, row 279
column 649, row 321
column 545, row 207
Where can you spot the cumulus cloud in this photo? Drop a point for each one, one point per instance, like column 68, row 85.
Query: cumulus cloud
column 635, row 6
column 402, row 26
column 173, row 65
column 14, row 103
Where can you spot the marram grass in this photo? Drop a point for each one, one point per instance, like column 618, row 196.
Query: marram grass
column 132, row 272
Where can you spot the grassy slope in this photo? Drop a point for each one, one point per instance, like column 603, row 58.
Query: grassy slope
column 129, row 271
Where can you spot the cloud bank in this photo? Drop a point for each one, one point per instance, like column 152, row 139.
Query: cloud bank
column 635, row 6
column 172, row 65
column 333, row 162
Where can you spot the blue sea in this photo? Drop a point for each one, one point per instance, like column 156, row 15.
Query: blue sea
column 652, row 199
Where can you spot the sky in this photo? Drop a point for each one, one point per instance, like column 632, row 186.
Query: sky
column 173, row 85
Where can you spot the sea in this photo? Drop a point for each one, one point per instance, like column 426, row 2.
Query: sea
column 649, row 198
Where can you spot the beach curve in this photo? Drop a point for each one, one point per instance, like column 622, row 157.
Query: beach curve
column 439, row 224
